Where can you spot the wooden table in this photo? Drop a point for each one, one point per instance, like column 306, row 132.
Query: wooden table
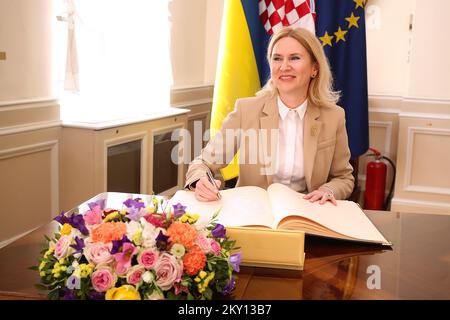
column 417, row 266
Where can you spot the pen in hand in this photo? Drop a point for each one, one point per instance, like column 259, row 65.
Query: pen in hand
column 211, row 179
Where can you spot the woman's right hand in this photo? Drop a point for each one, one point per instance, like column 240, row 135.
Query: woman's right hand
column 205, row 191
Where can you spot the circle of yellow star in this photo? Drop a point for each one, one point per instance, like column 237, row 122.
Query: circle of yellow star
column 340, row 34
column 352, row 21
column 359, row 3
column 326, row 39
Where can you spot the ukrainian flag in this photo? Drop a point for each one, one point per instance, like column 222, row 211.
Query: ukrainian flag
column 241, row 67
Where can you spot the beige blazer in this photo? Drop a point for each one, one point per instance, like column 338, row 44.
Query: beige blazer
column 326, row 151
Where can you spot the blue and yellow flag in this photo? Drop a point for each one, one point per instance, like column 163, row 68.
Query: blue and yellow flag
column 340, row 26
column 242, row 68
column 237, row 72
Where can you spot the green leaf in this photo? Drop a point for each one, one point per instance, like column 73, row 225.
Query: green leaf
column 54, row 294
column 172, row 296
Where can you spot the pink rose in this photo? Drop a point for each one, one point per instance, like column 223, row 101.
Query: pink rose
column 215, row 247
column 168, row 271
column 204, row 243
column 93, row 216
column 98, row 253
column 148, row 258
column 103, row 279
column 62, row 247
column 134, row 274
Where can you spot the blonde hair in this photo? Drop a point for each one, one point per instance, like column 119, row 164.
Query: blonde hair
column 320, row 90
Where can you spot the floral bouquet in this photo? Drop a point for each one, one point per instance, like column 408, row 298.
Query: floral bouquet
column 137, row 252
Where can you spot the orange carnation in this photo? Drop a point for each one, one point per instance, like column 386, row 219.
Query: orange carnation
column 194, row 260
column 182, row 233
column 107, row 232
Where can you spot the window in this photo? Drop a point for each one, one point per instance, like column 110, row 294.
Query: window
column 113, row 58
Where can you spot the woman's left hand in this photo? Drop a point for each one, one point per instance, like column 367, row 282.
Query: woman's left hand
column 323, row 195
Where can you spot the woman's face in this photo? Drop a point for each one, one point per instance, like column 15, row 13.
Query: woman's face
column 291, row 67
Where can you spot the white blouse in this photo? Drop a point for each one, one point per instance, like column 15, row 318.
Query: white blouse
column 290, row 169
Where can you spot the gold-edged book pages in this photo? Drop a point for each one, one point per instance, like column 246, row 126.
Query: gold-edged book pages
column 269, row 248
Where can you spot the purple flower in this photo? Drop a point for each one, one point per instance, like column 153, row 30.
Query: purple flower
column 178, row 210
column 235, row 261
column 68, row 294
column 94, row 295
column 77, row 221
column 134, row 203
column 161, row 241
column 101, row 203
column 79, row 245
column 117, row 244
column 61, row 218
column 229, row 287
column 219, row 231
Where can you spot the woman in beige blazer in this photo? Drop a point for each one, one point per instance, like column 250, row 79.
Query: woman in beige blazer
column 292, row 132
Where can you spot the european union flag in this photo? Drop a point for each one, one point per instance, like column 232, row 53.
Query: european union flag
column 340, row 26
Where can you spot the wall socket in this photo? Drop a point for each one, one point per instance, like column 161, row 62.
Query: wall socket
column 2, row 55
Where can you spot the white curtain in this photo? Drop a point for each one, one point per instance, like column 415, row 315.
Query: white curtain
column 118, row 59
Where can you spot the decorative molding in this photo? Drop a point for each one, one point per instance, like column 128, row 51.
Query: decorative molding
column 384, row 110
column 29, row 127
column 421, row 203
column 408, row 167
column 143, row 136
column 438, row 116
column 52, row 146
column 26, row 103
column 191, row 88
column 409, row 98
column 426, row 100
column 384, row 96
column 388, row 138
column 425, row 189
column 192, row 103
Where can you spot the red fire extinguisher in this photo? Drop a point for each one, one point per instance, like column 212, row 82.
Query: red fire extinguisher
column 376, row 182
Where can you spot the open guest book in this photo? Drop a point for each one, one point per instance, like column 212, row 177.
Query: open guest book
column 280, row 207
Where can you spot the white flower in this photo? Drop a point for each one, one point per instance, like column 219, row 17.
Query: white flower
column 149, row 235
column 178, row 250
column 148, row 277
column 134, row 229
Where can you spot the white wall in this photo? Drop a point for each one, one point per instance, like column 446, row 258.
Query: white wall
column 25, row 36
column 430, row 50
column 212, row 33
column 188, row 41
column 408, row 63
column 388, row 36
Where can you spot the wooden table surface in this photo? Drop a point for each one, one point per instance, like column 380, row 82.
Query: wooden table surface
column 416, row 267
